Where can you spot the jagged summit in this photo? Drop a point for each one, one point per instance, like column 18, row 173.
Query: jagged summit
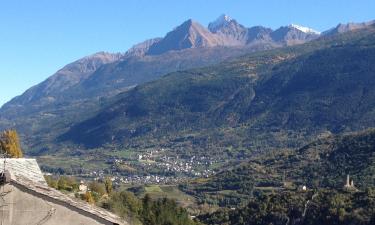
column 229, row 31
column 221, row 21
column 189, row 34
column 224, row 31
column 307, row 30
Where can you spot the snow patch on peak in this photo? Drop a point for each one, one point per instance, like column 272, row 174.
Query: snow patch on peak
column 224, row 17
column 219, row 22
column 304, row 29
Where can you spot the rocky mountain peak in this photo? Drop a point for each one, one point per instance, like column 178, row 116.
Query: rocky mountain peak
column 294, row 34
column 230, row 32
column 189, row 34
column 220, row 22
column 224, row 31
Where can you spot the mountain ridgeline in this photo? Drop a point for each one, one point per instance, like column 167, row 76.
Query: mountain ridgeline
column 105, row 100
column 263, row 124
column 278, row 98
column 79, row 90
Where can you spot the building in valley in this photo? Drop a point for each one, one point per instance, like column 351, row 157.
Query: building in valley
column 349, row 185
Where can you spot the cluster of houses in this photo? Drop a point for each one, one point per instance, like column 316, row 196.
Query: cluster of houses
column 165, row 169
column 149, row 179
column 191, row 166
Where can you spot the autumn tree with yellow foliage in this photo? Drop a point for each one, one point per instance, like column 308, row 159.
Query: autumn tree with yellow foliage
column 10, row 144
column 89, row 198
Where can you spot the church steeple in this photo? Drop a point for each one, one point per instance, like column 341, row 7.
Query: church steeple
column 349, row 183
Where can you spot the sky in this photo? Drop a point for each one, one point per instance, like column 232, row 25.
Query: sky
column 39, row 37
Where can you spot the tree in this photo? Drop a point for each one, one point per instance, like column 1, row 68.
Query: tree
column 147, row 214
column 51, row 181
column 125, row 204
column 10, row 144
column 89, row 198
column 108, row 185
column 98, row 188
column 62, row 183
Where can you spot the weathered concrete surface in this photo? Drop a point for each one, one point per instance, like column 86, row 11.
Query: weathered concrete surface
column 19, row 206
column 27, row 168
column 27, row 200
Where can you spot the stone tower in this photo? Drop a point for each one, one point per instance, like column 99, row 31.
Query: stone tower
column 349, row 183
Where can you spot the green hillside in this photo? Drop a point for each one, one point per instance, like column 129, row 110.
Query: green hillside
column 323, row 163
column 275, row 99
column 325, row 207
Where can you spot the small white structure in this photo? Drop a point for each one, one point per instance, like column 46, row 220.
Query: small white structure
column 349, row 185
column 82, row 187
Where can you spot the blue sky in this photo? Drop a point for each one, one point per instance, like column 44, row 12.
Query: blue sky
column 38, row 37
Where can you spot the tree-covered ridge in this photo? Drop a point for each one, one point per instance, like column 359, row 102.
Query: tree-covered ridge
column 325, row 207
column 148, row 211
column 324, row 163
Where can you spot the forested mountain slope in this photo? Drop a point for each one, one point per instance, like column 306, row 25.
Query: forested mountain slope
column 273, row 99
column 270, row 186
column 324, row 163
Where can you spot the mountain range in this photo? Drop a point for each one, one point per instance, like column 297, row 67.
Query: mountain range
column 225, row 31
column 277, row 98
column 90, row 88
column 263, row 125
